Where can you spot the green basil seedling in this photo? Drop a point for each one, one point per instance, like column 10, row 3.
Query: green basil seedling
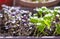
column 57, row 28
column 41, row 27
column 34, row 19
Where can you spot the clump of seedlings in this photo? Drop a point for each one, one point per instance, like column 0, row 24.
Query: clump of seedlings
column 46, row 21
column 15, row 22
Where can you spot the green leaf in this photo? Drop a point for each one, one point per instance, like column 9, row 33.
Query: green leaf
column 33, row 20
column 44, row 8
column 48, row 23
column 55, row 12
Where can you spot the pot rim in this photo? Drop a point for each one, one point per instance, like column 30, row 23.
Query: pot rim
column 32, row 37
column 39, row 2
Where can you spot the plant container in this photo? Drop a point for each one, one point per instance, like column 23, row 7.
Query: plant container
column 34, row 5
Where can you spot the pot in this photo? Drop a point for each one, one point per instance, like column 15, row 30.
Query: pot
column 33, row 5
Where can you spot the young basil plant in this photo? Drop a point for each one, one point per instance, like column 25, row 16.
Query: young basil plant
column 39, row 23
column 40, row 11
column 44, row 21
column 57, row 28
column 40, row 27
column 48, row 18
column 56, row 11
column 34, row 19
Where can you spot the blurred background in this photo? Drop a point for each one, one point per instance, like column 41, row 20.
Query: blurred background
column 29, row 5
